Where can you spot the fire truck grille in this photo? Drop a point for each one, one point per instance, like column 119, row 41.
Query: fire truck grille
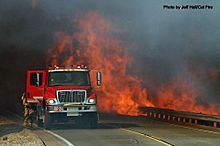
column 71, row 96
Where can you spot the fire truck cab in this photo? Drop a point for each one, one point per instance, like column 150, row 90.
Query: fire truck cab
column 62, row 94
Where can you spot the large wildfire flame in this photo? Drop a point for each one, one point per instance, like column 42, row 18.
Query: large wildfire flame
column 182, row 95
column 96, row 44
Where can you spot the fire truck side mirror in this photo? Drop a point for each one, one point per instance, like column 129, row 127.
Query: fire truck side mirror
column 99, row 78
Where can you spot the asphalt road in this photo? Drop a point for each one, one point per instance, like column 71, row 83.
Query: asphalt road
column 123, row 130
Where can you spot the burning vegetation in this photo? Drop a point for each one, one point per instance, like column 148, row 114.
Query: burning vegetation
column 97, row 44
column 182, row 95
column 149, row 74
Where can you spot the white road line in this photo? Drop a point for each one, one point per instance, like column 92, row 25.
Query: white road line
column 60, row 137
column 50, row 132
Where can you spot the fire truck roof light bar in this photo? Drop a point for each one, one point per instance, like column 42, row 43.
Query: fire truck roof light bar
column 56, row 67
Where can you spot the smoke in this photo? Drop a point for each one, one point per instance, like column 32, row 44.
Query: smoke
column 179, row 44
column 165, row 44
column 24, row 36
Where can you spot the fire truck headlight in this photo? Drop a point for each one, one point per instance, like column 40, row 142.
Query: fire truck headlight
column 92, row 100
column 51, row 101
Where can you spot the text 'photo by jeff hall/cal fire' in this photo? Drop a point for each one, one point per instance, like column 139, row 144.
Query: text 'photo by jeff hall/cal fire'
column 117, row 72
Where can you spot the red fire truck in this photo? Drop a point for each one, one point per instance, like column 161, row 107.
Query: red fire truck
column 62, row 94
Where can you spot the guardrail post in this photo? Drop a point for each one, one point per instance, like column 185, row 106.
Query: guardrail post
column 159, row 116
column 184, row 120
column 155, row 115
column 215, row 124
column 196, row 122
column 190, row 121
column 164, row 117
column 178, row 119
column 146, row 114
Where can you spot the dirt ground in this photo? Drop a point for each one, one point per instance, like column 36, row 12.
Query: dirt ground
column 14, row 134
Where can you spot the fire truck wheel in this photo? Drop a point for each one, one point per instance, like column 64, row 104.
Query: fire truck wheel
column 46, row 120
column 37, row 120
column 93, row 120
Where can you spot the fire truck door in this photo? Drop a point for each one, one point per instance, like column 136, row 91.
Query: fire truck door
column 35, row 86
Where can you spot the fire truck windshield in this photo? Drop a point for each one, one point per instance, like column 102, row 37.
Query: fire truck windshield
column 78, row 78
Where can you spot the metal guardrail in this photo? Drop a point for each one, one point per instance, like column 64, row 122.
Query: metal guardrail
column 179, row 116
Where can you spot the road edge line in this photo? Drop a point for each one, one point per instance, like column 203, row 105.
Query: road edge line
column 50, row 132
column 59, row 137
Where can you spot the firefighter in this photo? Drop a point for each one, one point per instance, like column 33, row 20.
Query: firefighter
column 28, row 112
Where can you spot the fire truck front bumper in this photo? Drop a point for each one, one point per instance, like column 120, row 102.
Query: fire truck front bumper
column 72, row 109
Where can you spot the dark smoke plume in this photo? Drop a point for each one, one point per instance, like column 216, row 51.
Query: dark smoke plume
column 164, row 43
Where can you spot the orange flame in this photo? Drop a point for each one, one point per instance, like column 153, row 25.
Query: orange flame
column 96, row 44
column 182, row 95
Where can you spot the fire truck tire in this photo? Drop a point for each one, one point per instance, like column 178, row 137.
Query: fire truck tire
column 46, row 120
column 89, row 120
column 93, row 120
column 37, row 120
